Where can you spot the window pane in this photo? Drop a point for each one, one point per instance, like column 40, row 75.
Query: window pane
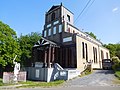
column 53, row 16
column 49, row 25
column 60, row 28
column 45, row 33
column 86, row 52
column 67, row 39
column 56, row 22
column 83, row 49
column 49, row 32
column 54, row 30
column 68, row 18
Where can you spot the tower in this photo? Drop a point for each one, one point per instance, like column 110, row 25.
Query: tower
column 56, row 20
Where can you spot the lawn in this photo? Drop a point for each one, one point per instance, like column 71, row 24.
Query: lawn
column 1, row 84
column 41, row 84
column 117, row 73
column 35, row 83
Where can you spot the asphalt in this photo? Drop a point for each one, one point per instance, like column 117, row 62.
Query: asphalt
column 97, row 78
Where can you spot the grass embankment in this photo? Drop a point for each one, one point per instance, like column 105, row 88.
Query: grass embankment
column 41, row 84
column 117, row 80
column 117, row 74
column 116, row 68
column 1, row 84
column 34, row 84
column 86, row 72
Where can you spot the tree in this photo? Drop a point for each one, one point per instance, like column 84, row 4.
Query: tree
column 118, row 50
column 114, row 49
column 9, row 47
column 26, row 44
column 91, row 34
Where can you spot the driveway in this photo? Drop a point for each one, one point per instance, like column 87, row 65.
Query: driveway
column 97, row 78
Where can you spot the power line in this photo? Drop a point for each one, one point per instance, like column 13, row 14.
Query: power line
column 90, row 5
column 84, row 9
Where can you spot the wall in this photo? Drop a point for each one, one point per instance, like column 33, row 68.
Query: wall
column 66, row 12
column 50, row 74
column 81, row 62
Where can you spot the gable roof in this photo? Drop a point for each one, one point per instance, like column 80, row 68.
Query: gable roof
column 53, row 7
column 44, row 41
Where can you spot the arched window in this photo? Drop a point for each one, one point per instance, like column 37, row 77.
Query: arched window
column 53, row 16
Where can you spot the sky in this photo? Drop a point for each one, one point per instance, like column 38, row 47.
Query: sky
column 102, row 17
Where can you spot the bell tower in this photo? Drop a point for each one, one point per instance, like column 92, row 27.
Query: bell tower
column 56, row 19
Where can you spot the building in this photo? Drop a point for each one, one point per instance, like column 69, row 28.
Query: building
column 65, row 44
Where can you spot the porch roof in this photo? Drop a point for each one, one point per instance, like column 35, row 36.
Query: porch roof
column 45, row 42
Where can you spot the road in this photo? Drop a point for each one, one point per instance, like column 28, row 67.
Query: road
column 98, row 80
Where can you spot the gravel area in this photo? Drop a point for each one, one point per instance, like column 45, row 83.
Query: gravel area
column 97, row 78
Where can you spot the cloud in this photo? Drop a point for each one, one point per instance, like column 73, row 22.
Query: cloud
column 115, row 9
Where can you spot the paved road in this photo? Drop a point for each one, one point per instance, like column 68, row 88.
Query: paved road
column 98, row 80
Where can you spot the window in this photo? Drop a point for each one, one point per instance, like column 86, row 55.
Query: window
column 56, row 22
column 86, row 52
column 54, row 30
column 106, row 55
column 83, row 49
column 67, row 39
column 102, row 55
column 95, row 54
column 68, row 30
column 53, row 16
column 49, row 25
column 68, row 18
column 49, row 32
column 73, row 31
column 60, row 28
column 45, row 33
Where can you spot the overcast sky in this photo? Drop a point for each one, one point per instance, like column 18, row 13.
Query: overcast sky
column 102, row 17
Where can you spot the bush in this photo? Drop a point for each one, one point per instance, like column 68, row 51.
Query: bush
column 116, row 63
column 117, row 73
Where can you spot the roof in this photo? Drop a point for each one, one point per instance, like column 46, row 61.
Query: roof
column 53, row 7
column 44, row 41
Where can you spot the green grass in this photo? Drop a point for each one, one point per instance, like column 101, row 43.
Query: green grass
column 116, row 81
column 117, row 73
column 86, row 72
column 34, row 83
column 1, row 83
column 41, row 84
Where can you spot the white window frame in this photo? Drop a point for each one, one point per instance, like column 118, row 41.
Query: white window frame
column 56, row 22
column 49, row 25
column 45, row 33
column 49, row 32
column 60, row 28
column 54, row 30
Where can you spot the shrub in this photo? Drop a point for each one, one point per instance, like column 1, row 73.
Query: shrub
column 116, row 63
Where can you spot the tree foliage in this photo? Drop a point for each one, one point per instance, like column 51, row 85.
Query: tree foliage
column 114, row 49
column 26, row 44
column 91, row 34
column 9, row 47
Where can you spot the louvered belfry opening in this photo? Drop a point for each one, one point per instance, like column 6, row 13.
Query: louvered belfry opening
column 48, row 53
